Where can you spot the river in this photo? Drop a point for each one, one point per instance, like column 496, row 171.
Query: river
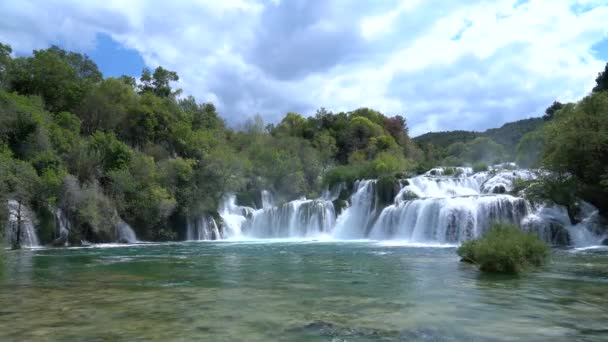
column 295, row 291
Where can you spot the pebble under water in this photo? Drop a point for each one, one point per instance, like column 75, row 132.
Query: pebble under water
column 295, row 291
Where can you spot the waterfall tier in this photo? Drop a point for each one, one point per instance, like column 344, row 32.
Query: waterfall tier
column 202, row 228
column 299, row 219
column 444, row 205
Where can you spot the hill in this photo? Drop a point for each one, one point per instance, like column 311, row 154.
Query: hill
column 507, row 135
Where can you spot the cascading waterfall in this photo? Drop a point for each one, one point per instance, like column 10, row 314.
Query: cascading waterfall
column 552, row 224
column 202, row 228
column 267, row 199
column 21, row 222
column 63, row 225
column 125, row 233
column 300, row 218
column 355, row 220
column 234, row 216
column 441, row 206
column 447, row 219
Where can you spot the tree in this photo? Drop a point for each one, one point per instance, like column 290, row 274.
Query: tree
column 106, row 106
column 576, row 144
column 5, row 59
column 551, row 110
column 529, row 149
column 601, row 80
column 158, row 82
column 484, row 150
column 61, row 78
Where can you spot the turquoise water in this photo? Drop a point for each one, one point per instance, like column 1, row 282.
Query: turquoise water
column 295, row 291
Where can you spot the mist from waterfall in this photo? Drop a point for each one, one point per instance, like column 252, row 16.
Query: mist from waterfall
column 125, row 233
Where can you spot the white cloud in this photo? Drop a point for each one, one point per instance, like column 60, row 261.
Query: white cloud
column 442, row 64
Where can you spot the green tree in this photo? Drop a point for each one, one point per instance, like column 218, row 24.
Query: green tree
column 61, row 78
column 106, row 106
column 576, row 143
column 158, row 82
column 484, row 150
column 601, row 80
column 5, row 60
column 551, row 110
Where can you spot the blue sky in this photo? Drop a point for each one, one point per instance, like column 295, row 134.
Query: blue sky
column 442, row 64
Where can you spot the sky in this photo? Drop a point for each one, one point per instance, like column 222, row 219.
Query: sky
column 442, row 64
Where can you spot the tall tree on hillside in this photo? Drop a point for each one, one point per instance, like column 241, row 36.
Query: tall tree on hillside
column 5, row 59
column 159, row 82
column 61, row 78
column 601, row 80
column 550, row 112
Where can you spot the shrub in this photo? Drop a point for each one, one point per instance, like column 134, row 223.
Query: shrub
column 480, row 167
column 449, row 171
column 505, row 249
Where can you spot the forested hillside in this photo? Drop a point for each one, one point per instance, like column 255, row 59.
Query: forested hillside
column 105, row 149
column 108, row 148
column 507, row 135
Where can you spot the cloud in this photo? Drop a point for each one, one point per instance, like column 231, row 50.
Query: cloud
column 443, row 64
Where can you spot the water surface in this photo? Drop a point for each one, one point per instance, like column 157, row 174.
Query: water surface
column 295, row 291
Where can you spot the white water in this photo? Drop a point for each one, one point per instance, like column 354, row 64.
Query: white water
column 64, row 226
column 27, row 231
column 431, row 209
column 202, row 228
column 300, row 218
column 356, row 219
column 125, row 233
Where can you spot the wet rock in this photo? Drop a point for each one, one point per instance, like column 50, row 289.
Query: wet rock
column 340, row 205
column 605, row 242
column 500, row 189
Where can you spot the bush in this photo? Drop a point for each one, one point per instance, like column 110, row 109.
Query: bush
column 505, row 249
column 480, row 167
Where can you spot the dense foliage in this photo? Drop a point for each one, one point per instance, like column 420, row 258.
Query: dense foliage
column 505, row 249
column 466, row 147
column 108, row 148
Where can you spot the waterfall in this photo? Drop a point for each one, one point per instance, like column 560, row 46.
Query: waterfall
column 125, row 233
column 447, row 220
column 267, row 199
column 355, row 220
column 444, row 205
column 64, row 227
column 27, row 233
column 234, row 216
column 552, row 224
column 300, row 218
column 202, row 228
